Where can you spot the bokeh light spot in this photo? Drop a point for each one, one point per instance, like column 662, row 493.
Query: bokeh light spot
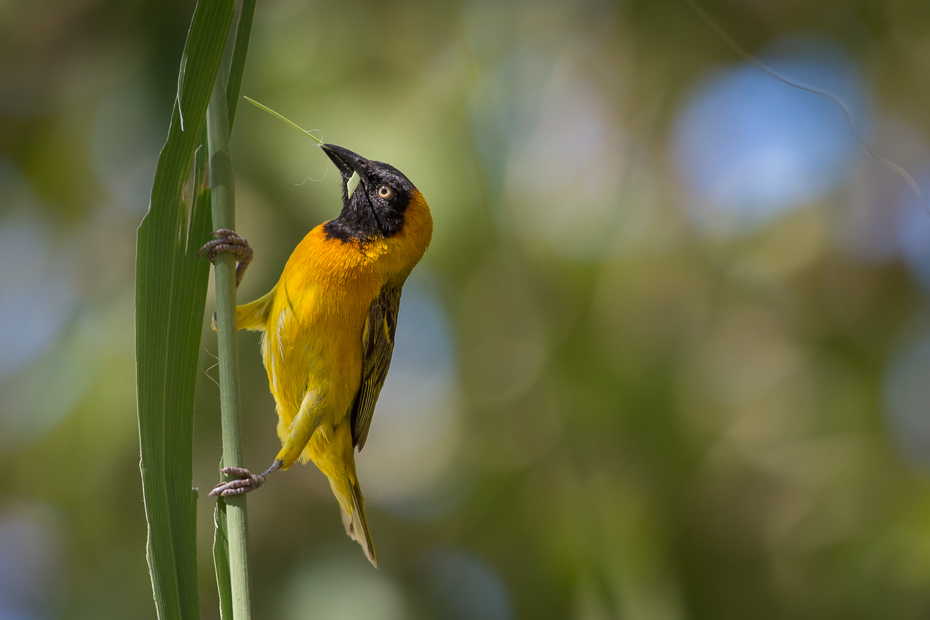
column 749, row 147
column 462, row 586
column 343, row 590
column 36, row 296
column 569, row 187
column 31, row 563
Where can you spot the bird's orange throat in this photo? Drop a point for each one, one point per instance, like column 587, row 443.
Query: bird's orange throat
column 394, row 257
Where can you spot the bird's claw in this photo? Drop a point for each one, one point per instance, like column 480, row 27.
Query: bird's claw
column 226, row 241
column 229, row 241
column 247, row 481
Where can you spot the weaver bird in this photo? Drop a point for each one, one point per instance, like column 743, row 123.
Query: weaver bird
column 329, row 327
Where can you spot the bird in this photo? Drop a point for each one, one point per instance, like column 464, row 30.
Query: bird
column 329, row 325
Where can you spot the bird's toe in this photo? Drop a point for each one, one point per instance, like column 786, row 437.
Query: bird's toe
column 226, row 241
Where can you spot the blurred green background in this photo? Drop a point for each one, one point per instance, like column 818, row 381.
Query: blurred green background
column 667, row 358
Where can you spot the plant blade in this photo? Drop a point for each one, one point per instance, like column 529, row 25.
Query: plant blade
column 221, row 560
column 171, row 287
column 240, row 52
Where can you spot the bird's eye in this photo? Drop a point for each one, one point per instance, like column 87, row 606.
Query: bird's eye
column 385, row 192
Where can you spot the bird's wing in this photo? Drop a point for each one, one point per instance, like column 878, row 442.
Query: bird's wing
column 377, row 347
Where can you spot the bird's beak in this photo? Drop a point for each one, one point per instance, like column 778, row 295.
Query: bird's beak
column 347, row 161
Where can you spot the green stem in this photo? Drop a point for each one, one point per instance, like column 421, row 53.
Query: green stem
column 224, row 216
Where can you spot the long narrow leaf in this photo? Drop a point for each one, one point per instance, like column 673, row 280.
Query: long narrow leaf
column 240, row 52
column 221, row 560
column 170, row 297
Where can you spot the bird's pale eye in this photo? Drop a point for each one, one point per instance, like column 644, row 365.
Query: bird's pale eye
column 385, row 192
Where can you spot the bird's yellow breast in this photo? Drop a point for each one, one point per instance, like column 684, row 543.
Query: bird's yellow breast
column 313, row 331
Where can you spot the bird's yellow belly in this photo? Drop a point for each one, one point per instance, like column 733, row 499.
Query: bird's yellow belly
column 312, row 345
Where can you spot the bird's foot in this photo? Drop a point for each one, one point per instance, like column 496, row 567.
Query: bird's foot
column 247, row 481
column 226, row 241
column 229, row 241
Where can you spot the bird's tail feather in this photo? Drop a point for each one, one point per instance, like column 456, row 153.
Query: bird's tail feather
column 353, row 514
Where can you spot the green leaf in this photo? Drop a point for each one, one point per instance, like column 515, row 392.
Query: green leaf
column 221, row 560
column 240, row 52
column 171, row 285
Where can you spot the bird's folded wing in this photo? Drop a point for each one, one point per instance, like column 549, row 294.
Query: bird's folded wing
column 377, row 347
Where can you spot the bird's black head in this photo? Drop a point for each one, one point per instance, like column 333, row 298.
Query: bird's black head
column 376, row 208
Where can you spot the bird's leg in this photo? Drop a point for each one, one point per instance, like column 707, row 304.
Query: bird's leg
column 228, row 241
column 247, row 481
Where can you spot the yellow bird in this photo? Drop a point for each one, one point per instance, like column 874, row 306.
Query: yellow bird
column 329, row 327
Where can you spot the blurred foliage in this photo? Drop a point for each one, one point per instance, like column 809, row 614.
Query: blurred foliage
column 626, row 384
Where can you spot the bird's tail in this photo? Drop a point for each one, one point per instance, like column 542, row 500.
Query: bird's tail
column 352, row 504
